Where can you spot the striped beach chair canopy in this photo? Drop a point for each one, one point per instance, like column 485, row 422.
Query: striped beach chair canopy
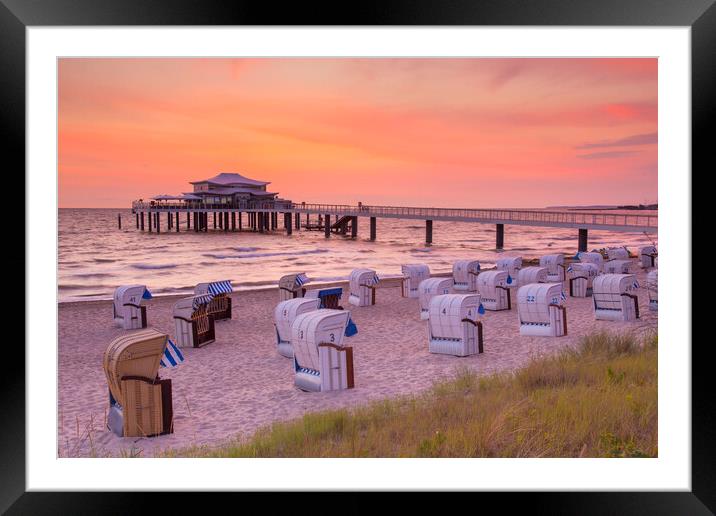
column 220, row 287
column 203, row 299
column 172, row 356
column 301, row 279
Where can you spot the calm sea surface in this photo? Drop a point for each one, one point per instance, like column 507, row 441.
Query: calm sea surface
column 95, row 256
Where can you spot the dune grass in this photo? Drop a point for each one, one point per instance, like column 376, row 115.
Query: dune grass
column 599, row 400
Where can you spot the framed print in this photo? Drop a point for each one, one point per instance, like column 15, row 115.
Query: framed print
column 414, row 249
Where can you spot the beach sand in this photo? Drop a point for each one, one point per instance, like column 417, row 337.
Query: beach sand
column 240, row 383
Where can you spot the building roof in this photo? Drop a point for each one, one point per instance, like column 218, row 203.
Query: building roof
column 165, row 197
column 231, row 190
column 228, row 178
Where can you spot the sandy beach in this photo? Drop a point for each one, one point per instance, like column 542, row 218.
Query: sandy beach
column 240, row 383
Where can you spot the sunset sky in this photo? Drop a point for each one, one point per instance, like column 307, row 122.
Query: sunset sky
column 421, row 132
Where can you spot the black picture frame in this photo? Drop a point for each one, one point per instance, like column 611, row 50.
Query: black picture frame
column 699, row 15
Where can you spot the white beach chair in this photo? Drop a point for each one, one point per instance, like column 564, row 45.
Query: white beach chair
column 555, row 267
column 617, row 267
column 464, row 275
column 413, row 274
column 430, row 288
column 652, row 285
column 220, row 304
column 617, row 253
column 453, row 325
column 193, row 325
column 362, row 287
column 647, row 256
column 532, row 275
column 321, row 361
column 494, row 291
column 595, row 258
column 541, row 311
column 581, row 276
column 512, row 265
column 128, row 310
column 291, row 286
column 613, row 298
column 283, row 316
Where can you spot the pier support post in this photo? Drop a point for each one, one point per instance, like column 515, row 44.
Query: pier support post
column 240, row 223
column 226, row 221
column 267, row 221
column 499, row 236
column 327, row 224
column 372, row 229
column 169, row 221
column 214, row 220
column 137, row 217
column 428, row 232
column 195, row 220
column 149, row 221
column 156, row 222
column 119, row 220
column 298, row 220
column 233, row 221
column 289, row 223
column 582, row 247
column 260, row 216
column 177, row 222
column 354, row 227
column 187, row 220
column 141, row 221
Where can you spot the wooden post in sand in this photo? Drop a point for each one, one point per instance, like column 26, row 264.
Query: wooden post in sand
column 372, row 229
column 499, row 236
column 428, row 232
column 582, row 245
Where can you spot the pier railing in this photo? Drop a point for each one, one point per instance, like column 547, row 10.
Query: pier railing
column 581, row 219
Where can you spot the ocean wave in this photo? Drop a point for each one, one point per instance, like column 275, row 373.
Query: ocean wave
column 246, row 249
column 103, row 260
column 421, row 250
column 264, row 255
column 94, row 275
column 150, row 266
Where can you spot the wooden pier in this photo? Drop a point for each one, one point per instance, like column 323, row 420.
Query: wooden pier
column 264, row 218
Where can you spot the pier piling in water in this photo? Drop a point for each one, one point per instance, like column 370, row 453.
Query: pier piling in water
column 289, row 223
column 372, row 229
column 499, row 236
column 354, row 227
column 582, row 246
column 233, row 221
column 298, row 221
column 137, row 217
column 327, row 224
column 240, row 223
column 119, row 220
column 428, row 232
column 177, row 222
column 141, row 221
column 157, row 222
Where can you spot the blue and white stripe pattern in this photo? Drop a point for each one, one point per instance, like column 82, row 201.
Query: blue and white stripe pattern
column 375, row 280
column 301, row 279
column 570, row 269
column 636, row 284
column 172, row 356
column 563, row 296
column 220, row 287
column 201, row 300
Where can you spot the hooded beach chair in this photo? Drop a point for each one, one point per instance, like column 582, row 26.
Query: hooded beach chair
column 617, row 253
column 292, row 286
column 532, row 275
column 464, row 275
column 614, row 299
column 140, row 403
column 595, row 258
column 494, row 291
column 128, row 310
column 220, row 304
column 284, row 315
column 647, row 256
column 321, row 361
column 193, row 325
column 511, row 264
column 414, row 274
column 617, row 267
column 652, row 286
column 581, row 275
column 555, row 267
column 430, row 288
column 541, row 311
column 453, row 325
column 362, row 287
column 331, row 298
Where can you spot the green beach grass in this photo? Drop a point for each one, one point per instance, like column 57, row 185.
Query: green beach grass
column 599, row 400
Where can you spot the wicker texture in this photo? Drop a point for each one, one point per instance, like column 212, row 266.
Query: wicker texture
column 143, row 414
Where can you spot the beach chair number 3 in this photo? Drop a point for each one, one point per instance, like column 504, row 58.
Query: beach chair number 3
column 333, row 337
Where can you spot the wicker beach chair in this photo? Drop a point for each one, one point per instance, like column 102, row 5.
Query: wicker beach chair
column 494, row 291
column 647, row 256
column 532, row 275
column 140, row 403
column 652, row 285
column 291, row 286
column 430, row 288
column 555, row 267
column 464, row 275
column 321, row 361
column 541, row 311
column 220, row 305
column 614, row 299
column 284, row 315
column 453, row 325
column 127, row 308
column 362, row 286
column 414, row 274
column 511, row 264
column 193, row 324
column 593, row 257
column 581, row 276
